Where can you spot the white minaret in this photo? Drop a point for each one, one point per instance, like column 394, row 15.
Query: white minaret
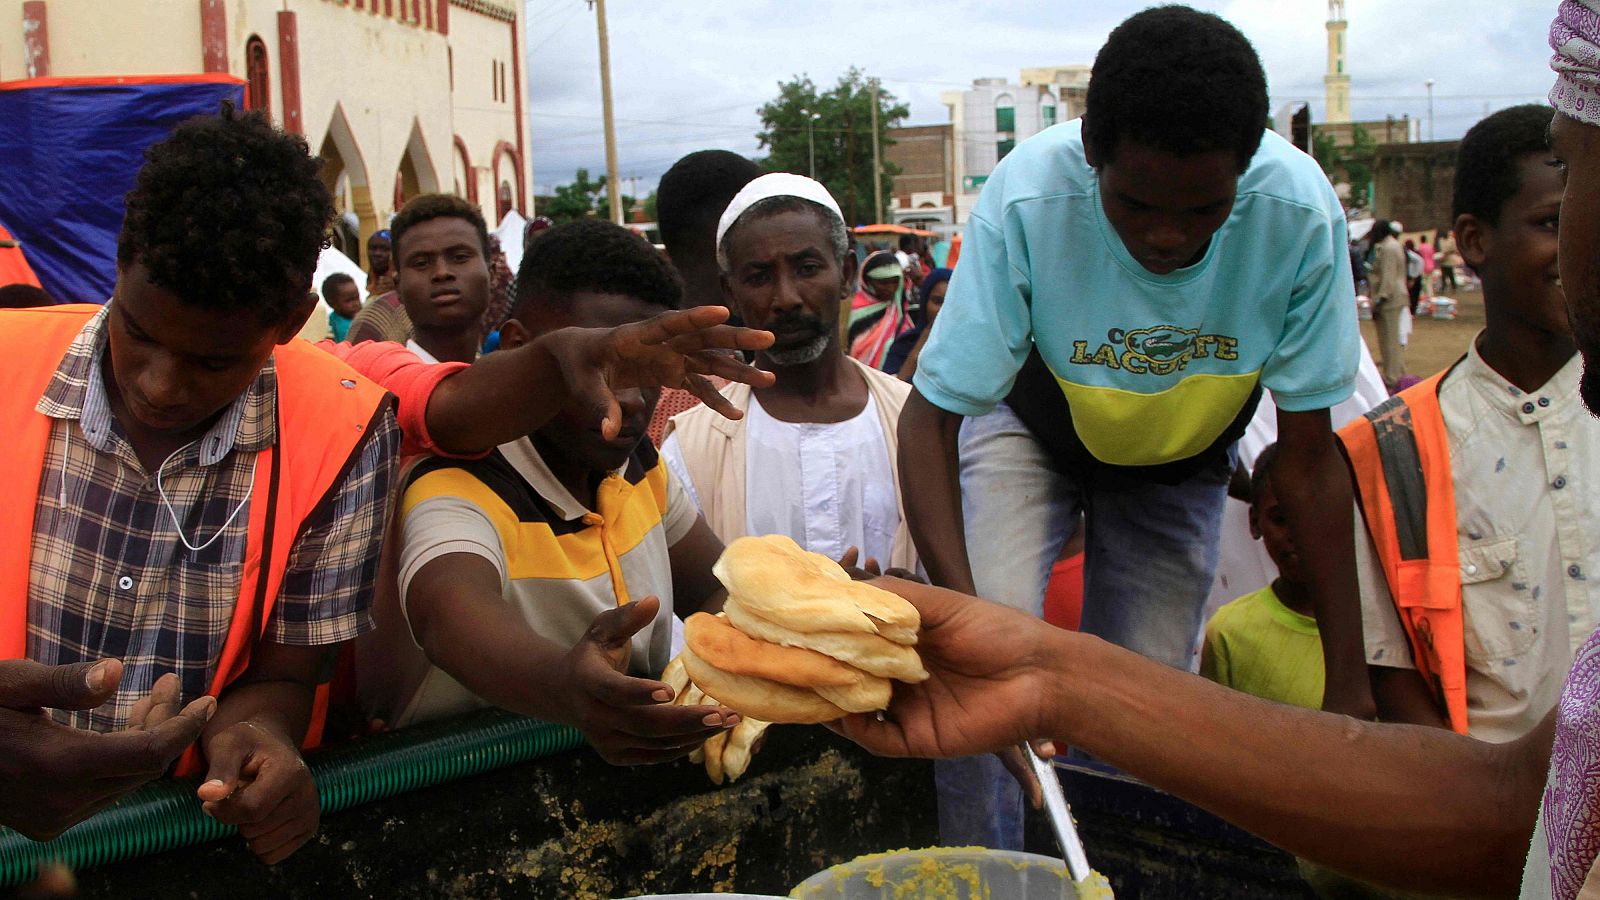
column 1337, row 81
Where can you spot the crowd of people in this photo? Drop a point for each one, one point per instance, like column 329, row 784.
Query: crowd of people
column 498, row 489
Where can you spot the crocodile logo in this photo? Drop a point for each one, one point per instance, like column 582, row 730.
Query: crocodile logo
column 1156, row 344
column 1157, row 350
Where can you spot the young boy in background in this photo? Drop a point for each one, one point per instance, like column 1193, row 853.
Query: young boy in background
column 1266, row 643
column 343, row 297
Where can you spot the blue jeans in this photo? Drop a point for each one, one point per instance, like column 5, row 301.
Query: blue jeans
column 1151, row 553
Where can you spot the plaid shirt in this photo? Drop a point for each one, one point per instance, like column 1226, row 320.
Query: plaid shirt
column 109, row 576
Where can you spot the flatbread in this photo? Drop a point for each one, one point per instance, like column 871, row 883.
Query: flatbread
column 870, row 653
column 770, row 701
column 775, row 578
column 722, row 645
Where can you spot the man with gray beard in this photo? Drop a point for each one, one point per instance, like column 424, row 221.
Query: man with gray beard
column 815, row 455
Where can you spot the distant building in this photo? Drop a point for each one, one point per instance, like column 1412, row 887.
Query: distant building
column 924, row 187
column 990, row 118
column 400, row 97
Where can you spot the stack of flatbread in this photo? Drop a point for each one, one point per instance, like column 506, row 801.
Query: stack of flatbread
column 798, row 641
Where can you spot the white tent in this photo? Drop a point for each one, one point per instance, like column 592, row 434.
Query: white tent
column 510, row 235
column 332, row 261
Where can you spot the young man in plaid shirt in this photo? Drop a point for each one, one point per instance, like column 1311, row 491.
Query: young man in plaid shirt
column 195, row 500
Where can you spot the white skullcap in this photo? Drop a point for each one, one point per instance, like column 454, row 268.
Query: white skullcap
column 777, row 184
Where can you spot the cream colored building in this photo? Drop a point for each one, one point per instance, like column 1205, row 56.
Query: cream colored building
column 400, row 97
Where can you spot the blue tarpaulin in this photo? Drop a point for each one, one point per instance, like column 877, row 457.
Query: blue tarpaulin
column 69, row 151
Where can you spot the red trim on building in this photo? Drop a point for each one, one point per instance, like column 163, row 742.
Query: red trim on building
column 36, row 38
column 289, row 71
column 416, row 11
column 214, row 35
column 442, row 17
column 466, row 163
column 388, row 7
column 516, row 78
column 22, row 84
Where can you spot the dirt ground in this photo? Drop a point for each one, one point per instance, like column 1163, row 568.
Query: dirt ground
column 1436, row 343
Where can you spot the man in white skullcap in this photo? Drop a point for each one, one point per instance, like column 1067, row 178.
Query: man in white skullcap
column 1402, row 806
column 814, row 456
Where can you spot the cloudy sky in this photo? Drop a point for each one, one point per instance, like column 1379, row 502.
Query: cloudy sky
column 690, row 74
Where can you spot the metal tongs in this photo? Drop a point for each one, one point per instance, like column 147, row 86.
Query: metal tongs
column 1055, row 804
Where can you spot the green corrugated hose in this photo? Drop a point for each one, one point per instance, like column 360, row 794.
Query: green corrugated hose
column 165, row 815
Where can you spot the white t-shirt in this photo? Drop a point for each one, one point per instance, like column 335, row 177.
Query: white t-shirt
column 829, row 486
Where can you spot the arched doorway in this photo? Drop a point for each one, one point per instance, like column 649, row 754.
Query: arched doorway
column 258, row 77
column 466, row 180
column 415, row 175
column 508, row 180
column 344, row 171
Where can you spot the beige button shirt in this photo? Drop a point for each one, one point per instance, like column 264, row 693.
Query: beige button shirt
column 1525, row 467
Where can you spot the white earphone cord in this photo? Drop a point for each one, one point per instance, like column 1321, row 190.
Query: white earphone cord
column 61, row 496
column 161, row 489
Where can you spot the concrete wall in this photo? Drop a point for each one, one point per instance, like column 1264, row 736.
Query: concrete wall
column 484, row 117
column 1412, row 183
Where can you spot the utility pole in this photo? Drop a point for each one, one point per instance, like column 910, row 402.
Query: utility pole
column 613, row 183
column 877, row 159
column 811, row 139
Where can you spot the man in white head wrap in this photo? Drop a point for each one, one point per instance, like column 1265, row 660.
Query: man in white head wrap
column 815, row 455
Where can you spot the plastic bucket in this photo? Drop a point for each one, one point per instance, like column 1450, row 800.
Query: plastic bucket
column 955, row 873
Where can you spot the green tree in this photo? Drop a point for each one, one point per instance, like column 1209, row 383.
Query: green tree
column 585, row 197
column 577, row 200
column 842, row 136
column 1350, row 163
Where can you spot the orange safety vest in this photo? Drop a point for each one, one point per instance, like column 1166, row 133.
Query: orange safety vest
column 324, row 411
column 1399, row 454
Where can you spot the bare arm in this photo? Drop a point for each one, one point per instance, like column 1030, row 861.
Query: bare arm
column 694, row 588
column 466, row 629
column 908, row 369
column 1313, row 485
column 514, row 392
column 930, row 485
column 1402, row 696
column 1400, row 805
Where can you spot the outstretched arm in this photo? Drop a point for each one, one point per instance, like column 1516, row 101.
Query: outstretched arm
column 1401, row 805
column 511, row 393
column 459, row 619
column 469, row 410
column 930, row 484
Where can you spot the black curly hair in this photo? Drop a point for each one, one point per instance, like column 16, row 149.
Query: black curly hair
column 1486, row 163
column 691, row 198
column 332, row 283
column 597, row 256
column 436, row 206
column 1179, row 80
column 229, row 213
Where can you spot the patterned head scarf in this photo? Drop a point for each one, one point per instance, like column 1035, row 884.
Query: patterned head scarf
column 1575, row 38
